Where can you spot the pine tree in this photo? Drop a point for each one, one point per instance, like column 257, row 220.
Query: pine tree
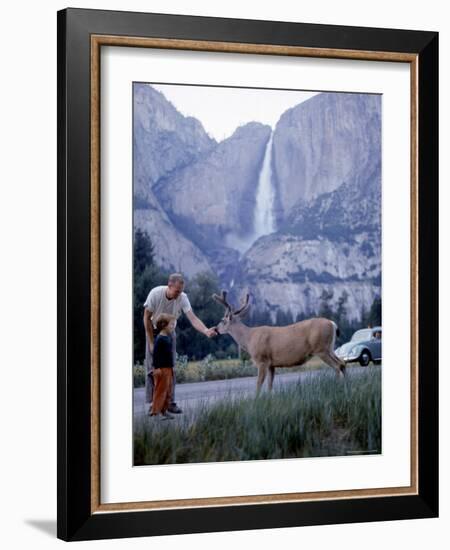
column 341, row 312
column 143, row 252
column 325, row 307
column 375, row 312
column 146, row 275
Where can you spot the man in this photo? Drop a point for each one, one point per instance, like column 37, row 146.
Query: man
column 172, row 300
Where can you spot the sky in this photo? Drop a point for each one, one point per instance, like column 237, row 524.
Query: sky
column 221, row 110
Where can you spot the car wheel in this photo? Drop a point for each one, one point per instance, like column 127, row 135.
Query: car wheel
column 364, row 358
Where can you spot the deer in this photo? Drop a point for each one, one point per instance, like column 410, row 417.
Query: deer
column 288, row 346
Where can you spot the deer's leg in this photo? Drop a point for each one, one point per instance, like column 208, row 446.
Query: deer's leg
column 337, row 361
column 333, row 361
column 262, row 371
column 271, row 376
column 342, row 364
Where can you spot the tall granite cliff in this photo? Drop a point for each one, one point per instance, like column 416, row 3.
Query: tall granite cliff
column 164, row 141
column 322, row 143
column 213, row 199
column 327, row 175
column 331, row 244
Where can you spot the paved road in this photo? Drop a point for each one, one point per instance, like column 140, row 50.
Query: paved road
column 191, row 396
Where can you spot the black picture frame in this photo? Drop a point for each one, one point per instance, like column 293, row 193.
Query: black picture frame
column 76, row 518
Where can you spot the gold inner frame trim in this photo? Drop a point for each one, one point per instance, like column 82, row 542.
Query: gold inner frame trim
column 97, row 41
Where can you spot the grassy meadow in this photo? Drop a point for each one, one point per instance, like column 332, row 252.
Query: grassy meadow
column 318, row 416
column 218, row 369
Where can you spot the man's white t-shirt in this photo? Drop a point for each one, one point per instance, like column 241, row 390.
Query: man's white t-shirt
column 157, row 302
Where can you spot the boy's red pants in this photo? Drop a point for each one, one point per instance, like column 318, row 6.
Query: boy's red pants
column 163, row 390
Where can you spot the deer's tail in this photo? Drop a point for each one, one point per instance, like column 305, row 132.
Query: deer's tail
column 342, row 364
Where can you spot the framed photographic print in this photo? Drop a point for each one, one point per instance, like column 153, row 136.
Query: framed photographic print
column 247, row 255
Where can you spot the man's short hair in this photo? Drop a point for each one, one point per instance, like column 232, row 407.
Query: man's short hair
column 163, row 320
column 176, row 278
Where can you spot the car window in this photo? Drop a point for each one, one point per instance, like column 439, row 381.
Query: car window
column 361, row 335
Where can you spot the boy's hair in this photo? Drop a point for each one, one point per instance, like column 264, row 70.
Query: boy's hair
column 163, row 320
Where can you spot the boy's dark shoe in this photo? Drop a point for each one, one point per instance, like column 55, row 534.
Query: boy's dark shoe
column 175, row 409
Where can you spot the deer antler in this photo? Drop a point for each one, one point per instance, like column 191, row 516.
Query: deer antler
column 244, row 306
column 222, row 299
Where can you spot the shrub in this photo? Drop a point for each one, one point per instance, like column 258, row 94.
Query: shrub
column 139, row 376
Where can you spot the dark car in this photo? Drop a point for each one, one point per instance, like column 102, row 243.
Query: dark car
column 364, row 347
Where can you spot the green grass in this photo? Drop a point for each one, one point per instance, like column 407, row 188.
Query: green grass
column 318, row 417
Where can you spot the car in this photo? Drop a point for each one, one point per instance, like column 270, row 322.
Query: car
column 364, row 347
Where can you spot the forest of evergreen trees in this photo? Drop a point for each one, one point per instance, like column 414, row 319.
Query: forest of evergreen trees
column 146, row 275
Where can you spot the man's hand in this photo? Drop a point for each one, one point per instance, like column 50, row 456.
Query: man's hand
column 198, row 325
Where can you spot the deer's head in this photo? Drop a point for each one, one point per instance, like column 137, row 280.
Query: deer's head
column 230, row 317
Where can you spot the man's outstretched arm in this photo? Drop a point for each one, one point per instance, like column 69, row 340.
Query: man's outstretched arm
column 199, row 325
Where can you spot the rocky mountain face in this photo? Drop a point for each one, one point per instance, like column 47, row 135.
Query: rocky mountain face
column 353, row 208
column 164, row 141
column 288, row 273
column 213, row 199
column 322, row 143
column 173, row 250
column 196, row 199
column 329, row 233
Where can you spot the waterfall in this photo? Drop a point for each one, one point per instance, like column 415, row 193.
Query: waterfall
column 264, row 220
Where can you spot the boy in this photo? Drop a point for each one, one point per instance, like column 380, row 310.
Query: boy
column 163, row 366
